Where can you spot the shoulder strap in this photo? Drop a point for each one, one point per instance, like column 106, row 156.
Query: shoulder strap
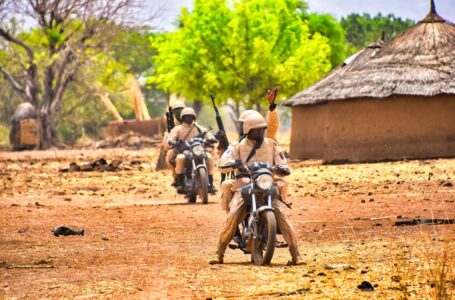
column 188, row 133
column 199, row 130
column 257, row 145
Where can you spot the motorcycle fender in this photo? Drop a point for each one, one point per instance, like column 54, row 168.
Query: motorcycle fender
column 200, row 166
column 264, row 208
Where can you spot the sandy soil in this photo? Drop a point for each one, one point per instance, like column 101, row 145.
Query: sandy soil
column 144, row 241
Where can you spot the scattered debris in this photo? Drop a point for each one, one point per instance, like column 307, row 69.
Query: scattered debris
column 338, row 266
column 44, row 261
column 129, row 140
column 418, row 221
column 102, row 165
column 446, row 183
column 65, row 231
column 365, row 286
column 97, row 165
column 296, row 292
column 105, row 238
column 23, row 230
column 380, row 218
column 396, row 278
column 310, row 221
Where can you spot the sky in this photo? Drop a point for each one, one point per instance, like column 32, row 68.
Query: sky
column 412, row 9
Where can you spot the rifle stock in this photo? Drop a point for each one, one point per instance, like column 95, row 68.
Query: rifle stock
column 169, row 114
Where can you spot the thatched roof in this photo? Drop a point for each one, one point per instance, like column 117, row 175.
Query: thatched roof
column 420, row 62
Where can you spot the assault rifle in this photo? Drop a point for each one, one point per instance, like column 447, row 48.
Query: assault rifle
column 169, row 115
column 221, row 134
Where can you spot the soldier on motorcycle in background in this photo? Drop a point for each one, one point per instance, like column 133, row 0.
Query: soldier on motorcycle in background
column 256, row 148
column 176, row 113
column 184, row 132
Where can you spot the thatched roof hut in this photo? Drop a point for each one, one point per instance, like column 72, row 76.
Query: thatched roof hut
column 415, row 68
column 421, row 61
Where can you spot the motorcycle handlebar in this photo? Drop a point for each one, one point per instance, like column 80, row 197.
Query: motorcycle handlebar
column 234, row 165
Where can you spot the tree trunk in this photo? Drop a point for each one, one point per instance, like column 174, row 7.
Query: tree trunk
column 258, row 107
column 47, row 131
column 197, row 106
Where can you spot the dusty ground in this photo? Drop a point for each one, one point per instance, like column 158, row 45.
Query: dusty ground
column 143, row 241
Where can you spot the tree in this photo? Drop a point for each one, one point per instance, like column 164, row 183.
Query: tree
column 68, row 33
column 329, row 27
column 362, row 30
column 239, row 49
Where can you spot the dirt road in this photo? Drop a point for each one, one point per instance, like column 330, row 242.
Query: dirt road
column 143, row 241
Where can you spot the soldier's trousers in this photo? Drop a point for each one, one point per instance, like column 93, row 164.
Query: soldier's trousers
column 170, row 160
column 237, row 211
column 180, row 163
column 229, row 186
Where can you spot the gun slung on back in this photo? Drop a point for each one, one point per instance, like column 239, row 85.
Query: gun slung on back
column 170, row 119
column 222, row 138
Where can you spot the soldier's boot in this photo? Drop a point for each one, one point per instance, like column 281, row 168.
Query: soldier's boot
column 295, row 257
column 238, row 239
column 212, row 188
column 180, row 183
column 219, row 256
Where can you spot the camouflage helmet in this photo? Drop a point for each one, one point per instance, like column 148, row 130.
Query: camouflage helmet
column 247, row 113
column 254, row 121
column 178, row 104
column 188, row 111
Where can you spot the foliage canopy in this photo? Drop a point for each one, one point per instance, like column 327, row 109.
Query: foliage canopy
column 239, row 49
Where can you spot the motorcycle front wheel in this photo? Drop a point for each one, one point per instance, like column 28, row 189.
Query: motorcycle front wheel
column 203, row 189
column 263, row 249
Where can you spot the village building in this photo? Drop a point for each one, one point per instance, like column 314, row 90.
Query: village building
column 389, row 101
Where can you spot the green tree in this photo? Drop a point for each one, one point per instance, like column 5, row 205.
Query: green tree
column 329, row 27
column 239, row 49
column 362, row 30
column 67, row 34
column 83, row 113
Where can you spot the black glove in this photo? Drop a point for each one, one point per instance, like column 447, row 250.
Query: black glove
column 174, row 144
column 282, row 170
column 272, row 106
column 212, row 140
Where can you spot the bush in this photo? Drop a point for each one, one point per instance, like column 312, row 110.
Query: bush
column 4, row 136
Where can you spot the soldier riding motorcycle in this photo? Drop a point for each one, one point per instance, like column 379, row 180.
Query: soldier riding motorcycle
column 192, row 145
column 256, row 148
column 196, row 179
column 259, row 227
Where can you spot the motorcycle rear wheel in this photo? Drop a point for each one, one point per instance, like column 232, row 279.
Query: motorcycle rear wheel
column 262, row 254
column 203, row 190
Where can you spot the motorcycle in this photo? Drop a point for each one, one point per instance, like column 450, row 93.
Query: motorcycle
column 259, row 229
column 196, row 180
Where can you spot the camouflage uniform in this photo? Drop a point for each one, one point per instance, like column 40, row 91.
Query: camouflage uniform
column 187, row 132
column 269, row 152
column 228, row 186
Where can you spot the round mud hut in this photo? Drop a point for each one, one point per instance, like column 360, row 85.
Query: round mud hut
column 389, row 101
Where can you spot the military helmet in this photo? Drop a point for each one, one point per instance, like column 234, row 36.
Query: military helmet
column 178, row 104
column 188, row 111
column 247, row 113
column 254, row 121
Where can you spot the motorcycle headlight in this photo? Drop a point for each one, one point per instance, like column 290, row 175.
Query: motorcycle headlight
column 264, row 181
column 198, row 150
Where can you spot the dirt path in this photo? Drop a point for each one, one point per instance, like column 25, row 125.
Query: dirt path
column 143, row 241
